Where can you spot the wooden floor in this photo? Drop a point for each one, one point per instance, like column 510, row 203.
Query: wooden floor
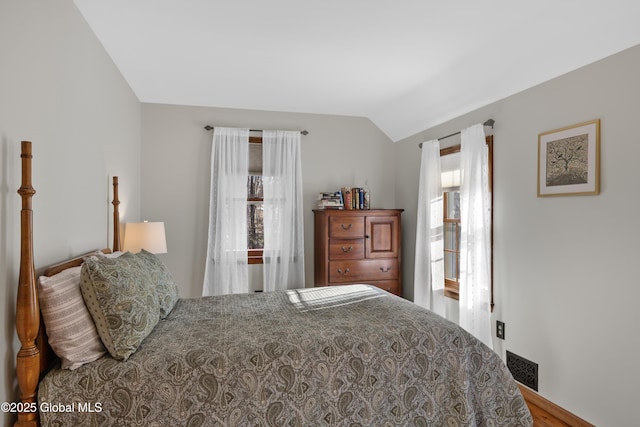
column 542, row 418
column 548, row 414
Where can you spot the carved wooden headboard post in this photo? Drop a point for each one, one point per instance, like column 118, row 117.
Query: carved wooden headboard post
column 27, row 308
column 116, row 216
column 35, row 356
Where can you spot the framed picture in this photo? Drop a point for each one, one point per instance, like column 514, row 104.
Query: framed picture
column 569, row 160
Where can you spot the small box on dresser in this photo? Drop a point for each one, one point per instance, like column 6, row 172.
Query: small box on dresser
column 359, row 246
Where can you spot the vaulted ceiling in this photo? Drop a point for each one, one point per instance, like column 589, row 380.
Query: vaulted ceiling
column 407, row 65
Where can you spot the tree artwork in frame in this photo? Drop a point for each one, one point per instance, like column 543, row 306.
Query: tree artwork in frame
column 569, row 160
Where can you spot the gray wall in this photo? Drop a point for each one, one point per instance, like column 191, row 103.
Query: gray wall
column 176, row 172
column 566, row 268
column 59, row 89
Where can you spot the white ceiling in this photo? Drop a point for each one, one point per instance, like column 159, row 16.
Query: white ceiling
column 405, row 64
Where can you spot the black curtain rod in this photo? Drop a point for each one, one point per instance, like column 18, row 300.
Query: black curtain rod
column 489, row 122
column 209, row 127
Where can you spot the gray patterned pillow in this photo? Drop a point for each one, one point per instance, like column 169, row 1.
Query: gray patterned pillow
column 166, row 288
column 121, row 298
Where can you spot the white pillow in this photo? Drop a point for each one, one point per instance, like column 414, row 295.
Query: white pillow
column 70, row 328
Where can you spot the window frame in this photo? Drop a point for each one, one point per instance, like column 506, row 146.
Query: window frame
column 452, row 288
column 254, row 256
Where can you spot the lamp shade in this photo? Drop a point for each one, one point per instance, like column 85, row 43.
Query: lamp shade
column 149, row 236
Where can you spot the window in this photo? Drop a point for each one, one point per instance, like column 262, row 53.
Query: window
column 255, row 202
column 450, row 163
column 451, row 242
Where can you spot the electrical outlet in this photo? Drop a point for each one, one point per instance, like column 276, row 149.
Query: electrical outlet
column 500, row 329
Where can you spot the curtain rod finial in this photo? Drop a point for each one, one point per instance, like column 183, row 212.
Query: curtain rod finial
column 489, row 122
column 208, row 127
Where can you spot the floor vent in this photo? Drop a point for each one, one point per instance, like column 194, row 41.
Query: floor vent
column 523, row 370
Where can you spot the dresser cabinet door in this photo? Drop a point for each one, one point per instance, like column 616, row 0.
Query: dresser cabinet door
column 382, row 239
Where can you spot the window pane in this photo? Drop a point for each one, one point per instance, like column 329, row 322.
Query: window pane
column 255, row 220
column 451, row 237
column 452, row 250
column 254, row 187
column 451, row 266
column 453, row 204
column 255, row 159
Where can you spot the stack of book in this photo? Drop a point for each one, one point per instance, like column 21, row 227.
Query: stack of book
column 330, row 200
column 355, row 198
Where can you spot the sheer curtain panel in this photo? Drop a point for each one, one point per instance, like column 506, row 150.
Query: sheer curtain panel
column 226, row 266
column 429, row 257
column 283, row 256
column 475, row 237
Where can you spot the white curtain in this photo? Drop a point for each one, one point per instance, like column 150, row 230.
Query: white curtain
column 283, row 255
column 475, row 238
column 226, row 265
column 429, row 257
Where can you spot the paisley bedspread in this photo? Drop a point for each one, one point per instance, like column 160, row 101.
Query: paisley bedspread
column 337, row 356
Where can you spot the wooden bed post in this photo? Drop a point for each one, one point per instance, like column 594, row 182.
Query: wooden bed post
column 27, row 308
column 116, row 216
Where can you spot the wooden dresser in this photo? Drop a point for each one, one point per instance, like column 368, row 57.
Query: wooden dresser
column 359, row 246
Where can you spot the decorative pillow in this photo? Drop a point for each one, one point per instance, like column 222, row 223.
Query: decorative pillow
column 166, row 288
column 70, row 328
column 122, row 301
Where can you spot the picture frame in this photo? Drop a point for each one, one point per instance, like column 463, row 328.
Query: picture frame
column 569, row 160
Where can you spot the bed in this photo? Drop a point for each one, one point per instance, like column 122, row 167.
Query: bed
column 306, row 357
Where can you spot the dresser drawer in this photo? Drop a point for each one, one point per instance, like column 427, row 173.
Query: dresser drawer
column 392, row 286
column 363, row 271
column 346, row 249
column 346, row 227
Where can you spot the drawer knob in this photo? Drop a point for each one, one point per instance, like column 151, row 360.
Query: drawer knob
column 346, row 227
column 343, row 272
column 385, row 269
column 347, row 250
